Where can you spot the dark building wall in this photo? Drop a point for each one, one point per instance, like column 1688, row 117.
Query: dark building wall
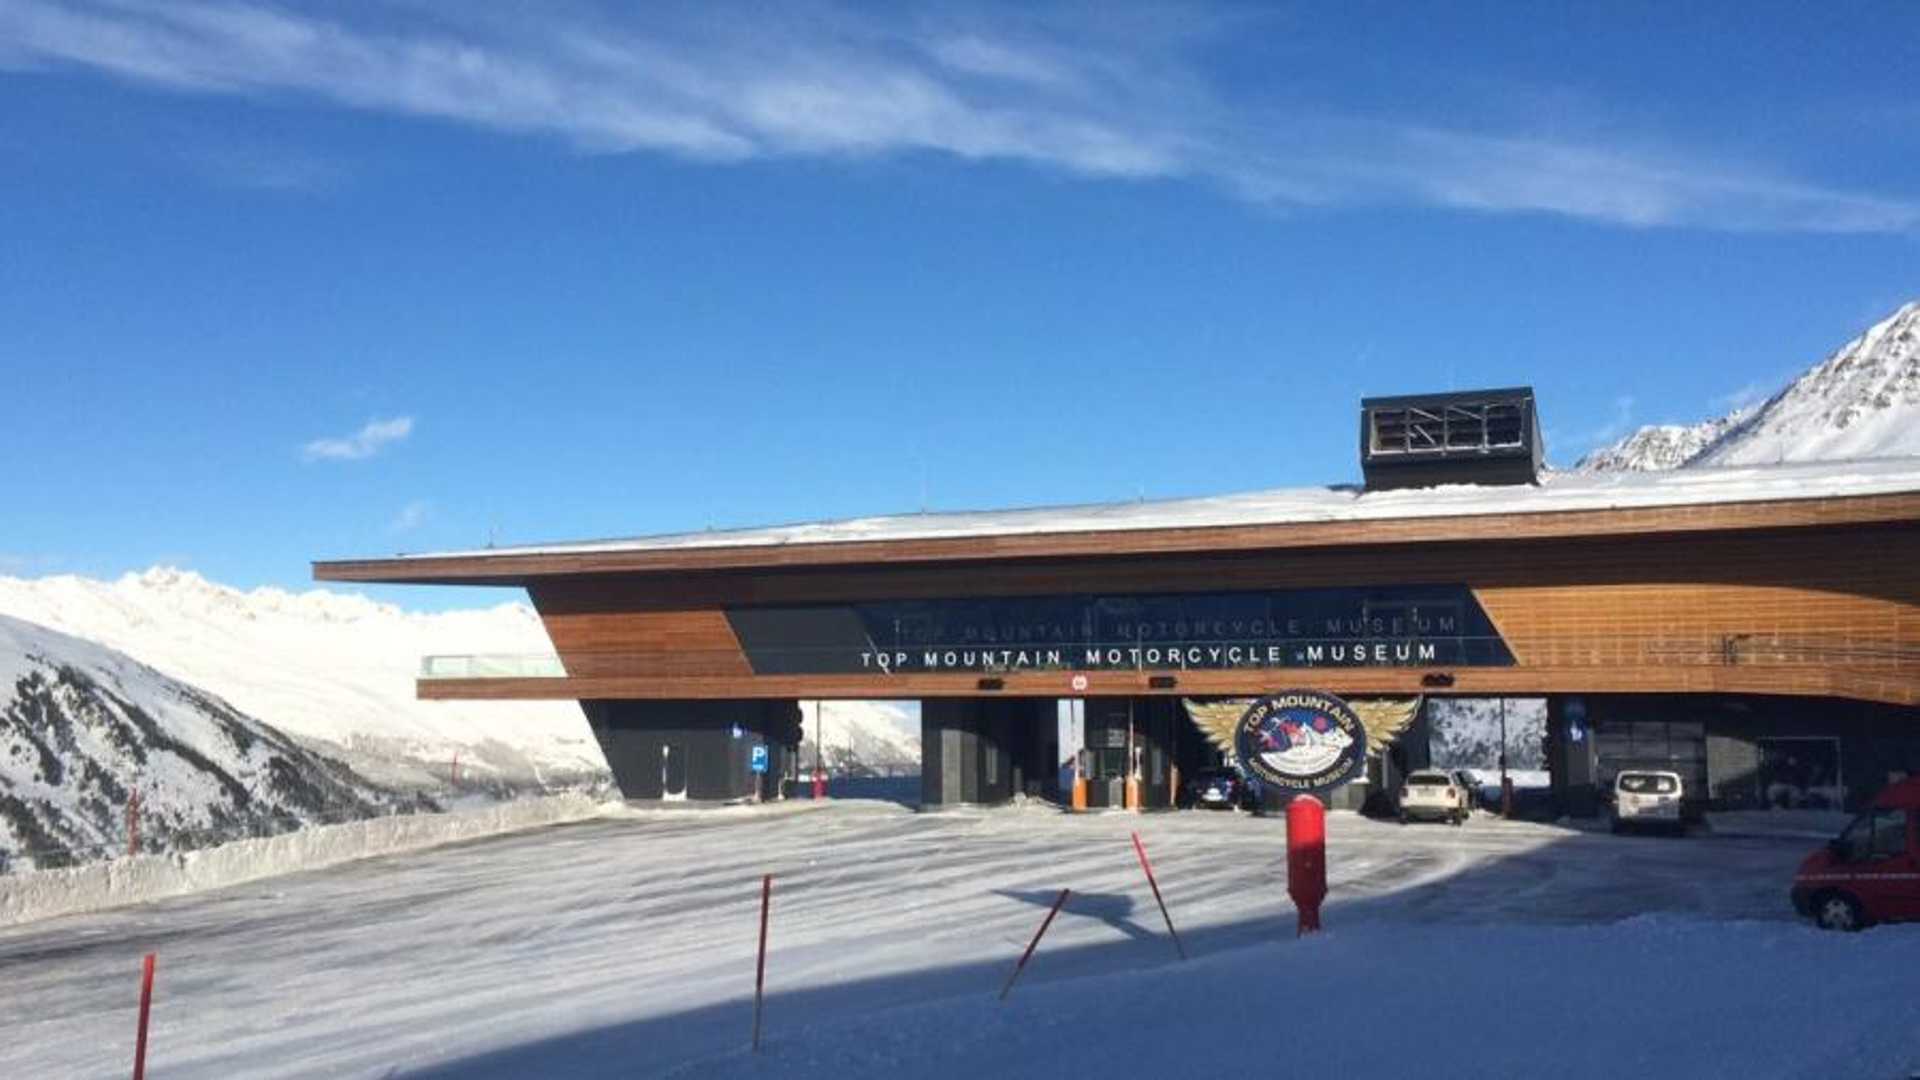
column 985, row 750
column 1735, row 751
column 1785, row 752
column 708, row 744
column 960, row 760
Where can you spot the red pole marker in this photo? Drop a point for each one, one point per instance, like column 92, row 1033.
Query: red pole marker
column 146, row 1004
column 1017, row 968
column 1307, row 859
column 760, row 974
column 1140, row 849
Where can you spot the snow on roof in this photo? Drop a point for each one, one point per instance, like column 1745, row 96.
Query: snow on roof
column 1558, row 491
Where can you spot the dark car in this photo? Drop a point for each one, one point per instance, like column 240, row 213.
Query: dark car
column 1469, row 783
column 1218, row 789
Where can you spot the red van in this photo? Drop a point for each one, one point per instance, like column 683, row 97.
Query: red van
column 1871, row 872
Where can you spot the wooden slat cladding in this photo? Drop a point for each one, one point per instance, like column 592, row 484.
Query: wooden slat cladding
column 1827, row 611
column 594, row 637
column 1862, row 561
column 1800, row 680
column 518, row 569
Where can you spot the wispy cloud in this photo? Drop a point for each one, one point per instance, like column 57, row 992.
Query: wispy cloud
column 365, row 443
column 13, row 564
column 1746, row 397
column 1095, row 96
column 411, row 516
column 1617, row 426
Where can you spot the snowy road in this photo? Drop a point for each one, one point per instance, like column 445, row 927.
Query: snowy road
column 623, row 946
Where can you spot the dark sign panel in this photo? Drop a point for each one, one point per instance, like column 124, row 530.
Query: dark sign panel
column 1403, row 626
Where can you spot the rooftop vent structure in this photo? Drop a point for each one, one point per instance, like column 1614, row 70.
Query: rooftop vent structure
column 1470, row 437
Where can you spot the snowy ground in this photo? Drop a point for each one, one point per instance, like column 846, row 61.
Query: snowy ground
column 624, row 946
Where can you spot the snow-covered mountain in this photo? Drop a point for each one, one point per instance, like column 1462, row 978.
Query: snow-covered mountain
column 1861, row 402
column 337, row 671
column 1658, row 447
column 85, row 729
column 862, row 738
column 1465, row 732
column 333, row 669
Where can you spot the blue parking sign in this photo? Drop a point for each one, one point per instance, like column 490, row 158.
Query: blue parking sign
column 759, row 759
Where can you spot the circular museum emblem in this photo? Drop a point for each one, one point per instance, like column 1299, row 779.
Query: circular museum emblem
column 1301, row 740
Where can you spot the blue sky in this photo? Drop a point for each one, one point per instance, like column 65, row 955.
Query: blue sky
column 287, row 282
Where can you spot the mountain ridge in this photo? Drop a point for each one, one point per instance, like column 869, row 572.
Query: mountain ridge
column 1861, row 401
column 85, row 731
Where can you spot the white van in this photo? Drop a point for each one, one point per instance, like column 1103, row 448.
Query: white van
column 1645, row 797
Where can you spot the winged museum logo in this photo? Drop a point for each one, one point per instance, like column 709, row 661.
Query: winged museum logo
column 1302, row 740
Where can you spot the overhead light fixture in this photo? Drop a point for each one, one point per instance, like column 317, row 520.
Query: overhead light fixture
column 992, row 684
column 1437, row 678
column 1161, row 682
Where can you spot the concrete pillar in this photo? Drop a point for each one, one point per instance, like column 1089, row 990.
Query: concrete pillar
column 981, row 750
column 1571, row 762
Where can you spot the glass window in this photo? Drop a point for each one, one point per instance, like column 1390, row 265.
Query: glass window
column 1889, row 834
column 1876, row 834
column 1647, row 784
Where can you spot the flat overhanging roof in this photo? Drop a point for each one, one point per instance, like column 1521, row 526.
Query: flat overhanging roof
column 1563, row 504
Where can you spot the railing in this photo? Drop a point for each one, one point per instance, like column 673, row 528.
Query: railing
column 493, row 666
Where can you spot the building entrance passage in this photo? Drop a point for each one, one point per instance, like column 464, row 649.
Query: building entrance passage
column 673, row 771
column 1130, row 744
column 1678, row 746
column 1800, row 773
column 1110, row 752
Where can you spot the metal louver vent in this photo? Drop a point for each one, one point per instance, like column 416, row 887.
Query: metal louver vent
column 1474, row 437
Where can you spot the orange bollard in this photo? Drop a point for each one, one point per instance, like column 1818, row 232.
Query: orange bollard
column 1307, row 859
column 1079, row 793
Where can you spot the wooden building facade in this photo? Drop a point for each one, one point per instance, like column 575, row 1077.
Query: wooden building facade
column 1807, row 598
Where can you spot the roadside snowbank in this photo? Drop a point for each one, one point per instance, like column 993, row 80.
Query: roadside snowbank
column 48, row 893
column 1650, row 996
